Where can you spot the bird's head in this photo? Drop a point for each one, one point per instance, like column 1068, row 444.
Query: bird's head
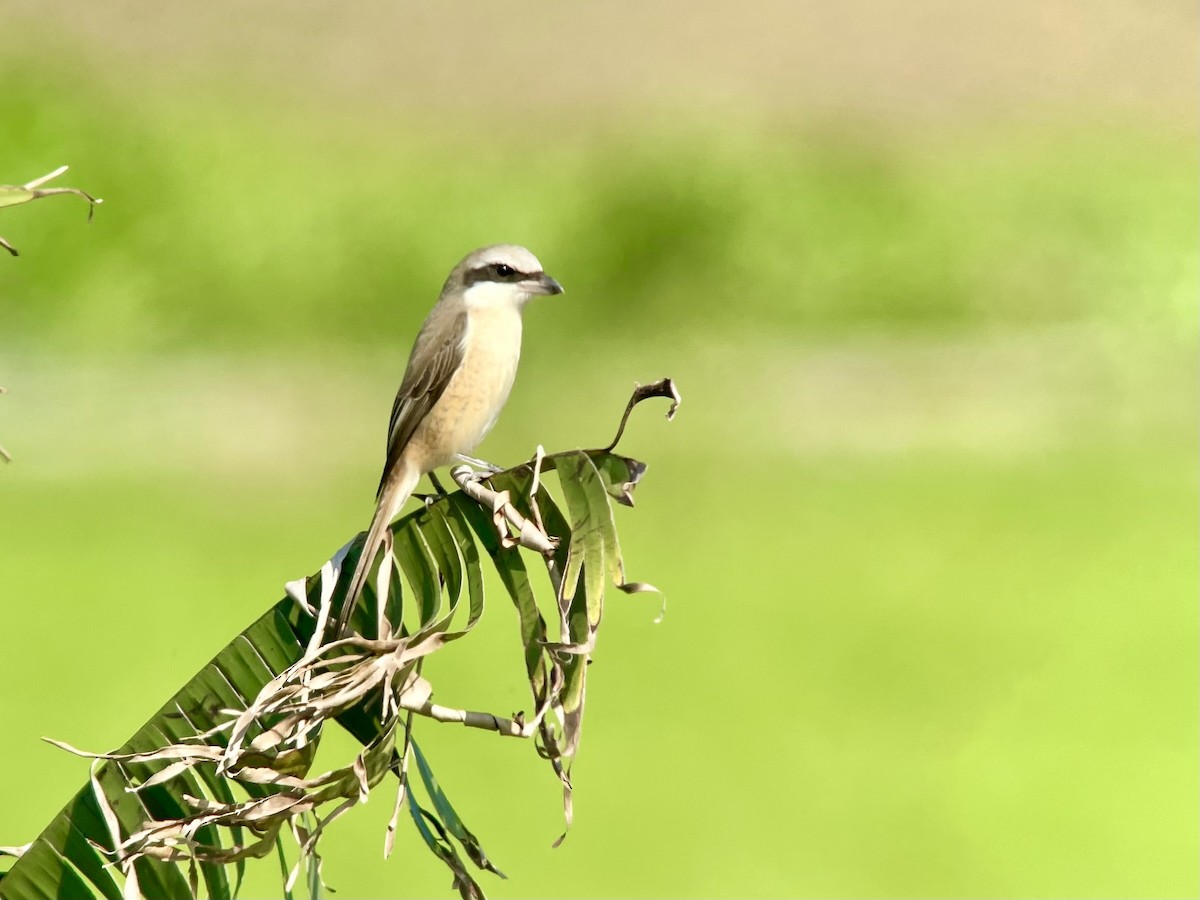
column 503, row 274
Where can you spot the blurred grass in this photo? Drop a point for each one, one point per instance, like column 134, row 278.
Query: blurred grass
column 926, row 521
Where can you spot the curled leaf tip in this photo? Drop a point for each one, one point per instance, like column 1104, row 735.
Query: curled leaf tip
column 664, row 387
column 638, row 587
column 643, row 587
column 669, row 390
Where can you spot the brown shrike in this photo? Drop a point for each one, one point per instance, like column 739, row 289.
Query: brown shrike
column 459, row 374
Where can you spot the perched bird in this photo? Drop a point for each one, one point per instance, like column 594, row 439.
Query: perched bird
column 459, row 374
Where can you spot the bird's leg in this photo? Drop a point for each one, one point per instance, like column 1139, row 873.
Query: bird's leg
column 440, row 494
column 489, row 468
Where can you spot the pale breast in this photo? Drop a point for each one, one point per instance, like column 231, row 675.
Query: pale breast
column 472, row 401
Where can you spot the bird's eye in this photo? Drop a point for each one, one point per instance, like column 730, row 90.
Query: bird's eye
column 505, row 271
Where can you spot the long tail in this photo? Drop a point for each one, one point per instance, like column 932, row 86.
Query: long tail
column 397, row 488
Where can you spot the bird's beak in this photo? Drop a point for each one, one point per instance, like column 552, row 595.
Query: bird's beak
column 546, row 285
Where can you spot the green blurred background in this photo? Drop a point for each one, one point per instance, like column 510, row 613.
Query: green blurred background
column 926, row 521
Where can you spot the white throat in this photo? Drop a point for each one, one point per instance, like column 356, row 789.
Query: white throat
column 494, row 295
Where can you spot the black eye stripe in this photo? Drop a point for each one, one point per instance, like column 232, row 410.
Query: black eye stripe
column 501, row 272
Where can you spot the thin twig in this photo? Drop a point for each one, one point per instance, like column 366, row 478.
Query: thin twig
column 486, row 721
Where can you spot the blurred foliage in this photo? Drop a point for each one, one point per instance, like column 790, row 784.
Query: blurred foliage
column 242, row 226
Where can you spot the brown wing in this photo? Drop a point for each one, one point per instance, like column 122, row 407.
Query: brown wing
column 436, row 356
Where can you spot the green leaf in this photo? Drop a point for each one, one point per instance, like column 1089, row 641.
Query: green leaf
column 460, row 531
column 593, row 531
column 420, row 570
column 467, row 887
column 449, row 817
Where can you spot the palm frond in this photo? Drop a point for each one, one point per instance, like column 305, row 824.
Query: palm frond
column 223, row 770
